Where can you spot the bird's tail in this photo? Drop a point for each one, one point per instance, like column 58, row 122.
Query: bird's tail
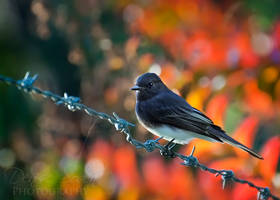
column 217, row 131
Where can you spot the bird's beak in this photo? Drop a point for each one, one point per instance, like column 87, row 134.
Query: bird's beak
column 135, row 87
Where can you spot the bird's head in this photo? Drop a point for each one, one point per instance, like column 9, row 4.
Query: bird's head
column 147, row 86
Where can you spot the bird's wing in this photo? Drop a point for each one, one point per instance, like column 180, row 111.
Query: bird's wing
column 195, row 114
column 177, row 112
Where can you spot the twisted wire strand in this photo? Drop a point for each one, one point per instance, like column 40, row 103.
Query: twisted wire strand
column 74, row 104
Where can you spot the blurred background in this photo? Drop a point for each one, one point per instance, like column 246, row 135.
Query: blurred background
column 221, row 56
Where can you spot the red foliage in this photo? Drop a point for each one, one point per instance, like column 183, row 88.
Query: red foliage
column 124, row 166
column 245, row 134
column 216, row 109
column 271, row 155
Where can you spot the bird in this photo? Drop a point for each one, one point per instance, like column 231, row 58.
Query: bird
column 166, row 114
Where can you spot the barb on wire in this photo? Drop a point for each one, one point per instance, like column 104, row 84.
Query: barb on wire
column 74, row 104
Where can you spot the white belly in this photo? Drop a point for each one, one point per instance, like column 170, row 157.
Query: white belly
column 181, row 136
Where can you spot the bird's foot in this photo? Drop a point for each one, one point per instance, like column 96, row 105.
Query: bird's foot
column 167, row 149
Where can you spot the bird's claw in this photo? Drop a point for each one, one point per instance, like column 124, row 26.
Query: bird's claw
column 167, row 149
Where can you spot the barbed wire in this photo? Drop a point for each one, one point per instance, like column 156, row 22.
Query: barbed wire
column 74, row 104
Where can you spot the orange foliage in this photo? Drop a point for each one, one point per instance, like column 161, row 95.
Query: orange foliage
column 168, row 74
column 71, row 185
column 197, row 97
column 257, row 100
column 124, row 166
column 244, row 192
column 94, row 192
column 237, row 78
column 181, row 183
column 245, row 134
column 145, row 61
column 216, row 109
column 111, row 96
column 205, row 39
column 131, row 47
column 271, row 155
column 155, row 175
column 211, row 187
column 101, row 150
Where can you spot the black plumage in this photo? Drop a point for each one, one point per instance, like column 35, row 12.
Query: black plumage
column 157, row 106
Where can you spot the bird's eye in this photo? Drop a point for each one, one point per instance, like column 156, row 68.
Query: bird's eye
column 150, row 84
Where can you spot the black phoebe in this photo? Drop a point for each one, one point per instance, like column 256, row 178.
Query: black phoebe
column 165, row 114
